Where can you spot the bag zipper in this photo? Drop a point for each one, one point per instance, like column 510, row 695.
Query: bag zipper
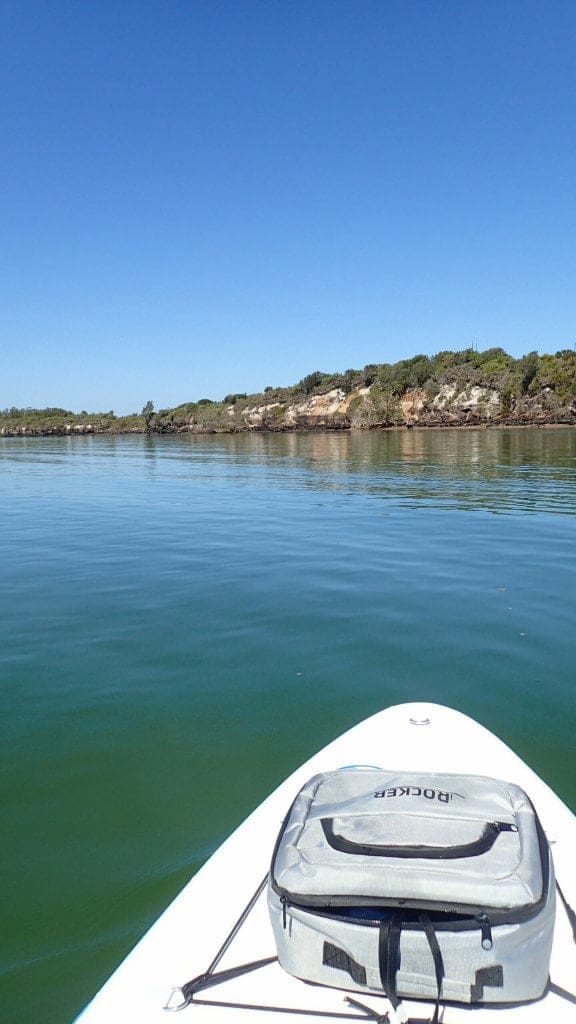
column 481, row 918
column 485, row 925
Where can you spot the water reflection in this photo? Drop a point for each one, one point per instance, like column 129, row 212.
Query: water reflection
column 494, row 470
column 526, row 470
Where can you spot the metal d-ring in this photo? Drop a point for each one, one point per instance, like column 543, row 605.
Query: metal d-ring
column 177, row 1006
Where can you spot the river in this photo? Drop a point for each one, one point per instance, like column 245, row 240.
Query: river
column 185, row 619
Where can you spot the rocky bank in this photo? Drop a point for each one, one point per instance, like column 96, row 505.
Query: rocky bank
column 367, row 408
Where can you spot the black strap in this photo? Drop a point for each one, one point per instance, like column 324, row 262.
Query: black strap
column 389, row 956
column 437, row 958
column 570, row 997
column 380, row 1018
column 236, row 928
column 291, row 1011
column 570, row 913
column 209, row 977
column 207, row 980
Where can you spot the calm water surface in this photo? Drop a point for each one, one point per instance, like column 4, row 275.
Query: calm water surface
column 185, row 619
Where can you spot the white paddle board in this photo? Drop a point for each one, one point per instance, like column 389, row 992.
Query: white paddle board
column 220, row 921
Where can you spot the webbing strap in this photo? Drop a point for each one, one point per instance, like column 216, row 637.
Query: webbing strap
column 389, row 956
column 570, row 913
column 211, row 977
column 380, row 1018
column 203, row 981
column 437, row 958
column 237, row 926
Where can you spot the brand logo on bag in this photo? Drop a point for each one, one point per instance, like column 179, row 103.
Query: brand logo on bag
column 430, row 794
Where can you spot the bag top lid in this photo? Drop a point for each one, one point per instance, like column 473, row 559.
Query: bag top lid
column 370, row 835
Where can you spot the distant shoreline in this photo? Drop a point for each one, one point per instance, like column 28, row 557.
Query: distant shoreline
column 325, row 429
column 458, row 390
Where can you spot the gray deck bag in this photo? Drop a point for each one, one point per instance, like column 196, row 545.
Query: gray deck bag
column 414, row 884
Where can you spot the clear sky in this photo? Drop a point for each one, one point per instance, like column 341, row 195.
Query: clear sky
column 204, row 196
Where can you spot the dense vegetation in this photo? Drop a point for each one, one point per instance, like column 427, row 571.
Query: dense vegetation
column 549, row 380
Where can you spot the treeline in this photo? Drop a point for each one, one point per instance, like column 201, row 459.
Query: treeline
column 492, row 368
column 553, row 376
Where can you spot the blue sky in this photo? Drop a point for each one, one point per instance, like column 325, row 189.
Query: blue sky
column 203, row 197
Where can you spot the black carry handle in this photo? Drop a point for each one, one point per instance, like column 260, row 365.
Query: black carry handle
column 486, row 841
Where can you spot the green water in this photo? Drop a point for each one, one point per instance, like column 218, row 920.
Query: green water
column 185, row 619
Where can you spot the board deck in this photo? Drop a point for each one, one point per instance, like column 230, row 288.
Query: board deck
column 189, row 935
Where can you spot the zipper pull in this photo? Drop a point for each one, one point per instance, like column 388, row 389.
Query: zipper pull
column 284, row 901
column 484, row 922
